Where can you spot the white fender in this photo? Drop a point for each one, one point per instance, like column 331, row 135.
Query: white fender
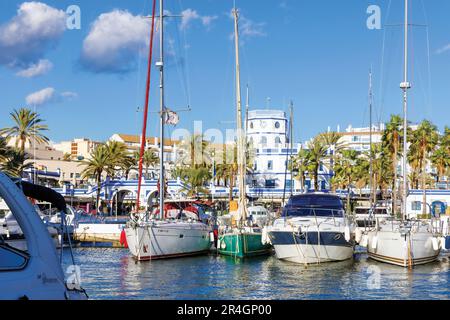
column 364, row 241
column 347, row 233
column 442, row 243
column 435, row 243
column 265, row 236
column 374, row 242
column 358, row 235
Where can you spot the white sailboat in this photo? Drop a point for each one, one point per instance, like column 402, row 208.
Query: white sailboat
column 404, row 242
column 34, row 273
column 151, row 238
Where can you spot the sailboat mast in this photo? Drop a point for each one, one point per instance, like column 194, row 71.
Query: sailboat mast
column 147, row 97
column 240, row 148
column 405, row 85
column 162, row 110
column 291, row 143
column 372, row 200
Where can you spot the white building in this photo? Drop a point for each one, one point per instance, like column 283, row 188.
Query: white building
column 268, row 132
column 77, row 148
column 358, row 139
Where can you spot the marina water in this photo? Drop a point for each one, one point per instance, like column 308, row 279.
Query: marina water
column 113, row 274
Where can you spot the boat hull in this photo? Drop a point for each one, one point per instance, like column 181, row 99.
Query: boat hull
column 242, row 245
column 163, row 240
column 98, row 233
column 308, row 249
column 392, row 247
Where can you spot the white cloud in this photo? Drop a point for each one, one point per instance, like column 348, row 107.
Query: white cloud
column 36, row 69
column 49, row 95
column 248, row 28
column 190, row 15
column 114, row 42
column 41, row 97
column 69, row 95
column 443, row 49
column 25, row 38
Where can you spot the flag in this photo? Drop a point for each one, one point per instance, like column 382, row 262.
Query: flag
column 172, row 117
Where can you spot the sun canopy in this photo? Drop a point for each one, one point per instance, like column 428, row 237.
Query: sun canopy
column 44, row 194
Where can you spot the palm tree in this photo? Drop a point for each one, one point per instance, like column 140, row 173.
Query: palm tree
column 332, row 141
column 67, row 157
column 316, row 152
column 193, row 152
column 4, row 150
column 382, row 170
column 346, row 170
column 98, row 164
column 423, row 141
column 300, row 164
column 28, row 128
column 392, row 142
column 15, row 163
column 150, row 159
column 441, row 160
column 118, row 153
column 196, row 178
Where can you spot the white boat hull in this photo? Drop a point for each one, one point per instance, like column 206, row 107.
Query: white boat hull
column 99, row 232
column 392, row 247
column 312, row 254
column 160, row 239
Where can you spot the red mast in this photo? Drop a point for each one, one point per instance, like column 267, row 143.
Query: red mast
column 147, row 97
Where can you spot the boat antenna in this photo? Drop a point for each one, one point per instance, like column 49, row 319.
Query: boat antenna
column 405, row 85
column 147, row 98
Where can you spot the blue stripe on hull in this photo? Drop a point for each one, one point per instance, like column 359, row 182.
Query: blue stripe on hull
column 326, row 238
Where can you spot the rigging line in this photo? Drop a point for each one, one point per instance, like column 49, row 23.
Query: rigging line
column 138, row 77
column 179, row 62
column 187, row 73
column 430, row 99
column 381, row 102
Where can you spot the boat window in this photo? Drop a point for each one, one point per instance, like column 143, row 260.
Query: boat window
column 314, row 205
column 10, row 232
column 11, row 259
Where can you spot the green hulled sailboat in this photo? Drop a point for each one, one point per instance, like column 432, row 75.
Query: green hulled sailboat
column 242, row 240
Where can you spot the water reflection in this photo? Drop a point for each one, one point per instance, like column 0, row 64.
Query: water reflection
column 114, row 274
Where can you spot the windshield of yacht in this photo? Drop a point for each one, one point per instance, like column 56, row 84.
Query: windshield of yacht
column 314, row 205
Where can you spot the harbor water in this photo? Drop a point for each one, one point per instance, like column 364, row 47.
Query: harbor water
column 113, row 274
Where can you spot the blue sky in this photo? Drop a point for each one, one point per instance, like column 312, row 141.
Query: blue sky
column 316, row 53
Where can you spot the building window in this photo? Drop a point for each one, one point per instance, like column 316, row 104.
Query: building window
column 277, row 125
column 416, row 206
column 270, row 165
column 277, row 140
column 264, row 141
column 251, row 125
column 270, row 184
